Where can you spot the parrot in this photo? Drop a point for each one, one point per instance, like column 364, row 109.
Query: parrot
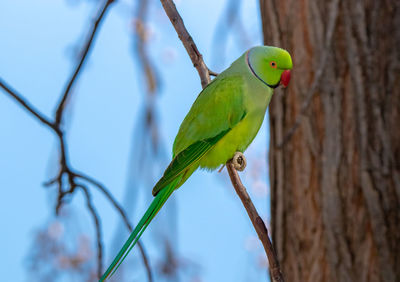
column 224, row 119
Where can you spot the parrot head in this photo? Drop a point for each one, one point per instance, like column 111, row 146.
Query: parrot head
column 271, row 65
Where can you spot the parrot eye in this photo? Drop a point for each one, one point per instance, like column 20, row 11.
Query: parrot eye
column 273, row 64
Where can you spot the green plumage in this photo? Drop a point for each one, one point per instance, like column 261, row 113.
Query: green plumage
column 223, row 120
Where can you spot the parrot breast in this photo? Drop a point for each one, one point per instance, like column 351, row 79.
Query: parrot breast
column 236, row 140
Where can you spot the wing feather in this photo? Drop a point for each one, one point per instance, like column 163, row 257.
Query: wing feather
column 184, row 159
column 217, row 109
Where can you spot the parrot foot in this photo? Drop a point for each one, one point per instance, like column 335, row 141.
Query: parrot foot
column 239, row 161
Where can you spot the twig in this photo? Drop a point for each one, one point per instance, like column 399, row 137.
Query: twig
column 232, row 166
column 88, row 44
column 108, row 195
column 212, row 73
column 121, row 211
column 239, row 161
column 96, row 220
column 64, row 166
column 25, row 104
column 187, row 40
column 333, row 16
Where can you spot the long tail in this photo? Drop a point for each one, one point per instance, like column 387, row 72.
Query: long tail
column 151, row 212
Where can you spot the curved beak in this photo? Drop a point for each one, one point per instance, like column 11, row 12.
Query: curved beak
column 285, row 78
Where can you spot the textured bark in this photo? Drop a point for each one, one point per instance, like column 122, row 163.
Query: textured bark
column 335, row 184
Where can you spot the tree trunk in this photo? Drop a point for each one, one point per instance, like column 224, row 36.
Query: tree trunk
column 335, row 183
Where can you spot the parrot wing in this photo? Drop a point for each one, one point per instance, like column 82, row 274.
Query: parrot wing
column 217, row 109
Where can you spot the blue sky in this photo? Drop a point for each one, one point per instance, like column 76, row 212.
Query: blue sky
column 39, row 43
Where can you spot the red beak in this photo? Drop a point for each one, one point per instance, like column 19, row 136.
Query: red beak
column 285, row 78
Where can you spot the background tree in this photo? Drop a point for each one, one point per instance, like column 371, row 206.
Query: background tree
column 335, row 140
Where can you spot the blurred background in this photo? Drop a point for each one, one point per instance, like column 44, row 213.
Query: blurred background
column 120, row 121
column 108, row 84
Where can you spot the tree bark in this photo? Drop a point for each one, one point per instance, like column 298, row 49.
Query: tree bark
column 335, row 183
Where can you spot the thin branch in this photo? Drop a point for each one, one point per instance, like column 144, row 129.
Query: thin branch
column 187, row 40
column 145, row 261
column 25, row 104
column 212, row 73
column 64, row 168
column 238, row 162
column 255, row 218
column 96, row 220
column 121, row 211
column 88, row 44
column 108, row 195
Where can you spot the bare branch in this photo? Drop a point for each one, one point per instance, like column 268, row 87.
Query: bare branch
column 212, row 73
column 25, row 104
column 187, row 40
column 256, row 220
column 96, row 220
column 121, row 211
column 108, row 195
column 88, row 44
column 66, row 173
column 64, row 168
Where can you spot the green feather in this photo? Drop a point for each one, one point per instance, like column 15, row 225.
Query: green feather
column 151, row 212
column 185, row 159
column 203, row 121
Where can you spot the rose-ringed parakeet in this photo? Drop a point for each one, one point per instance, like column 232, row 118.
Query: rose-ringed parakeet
column 223, row 120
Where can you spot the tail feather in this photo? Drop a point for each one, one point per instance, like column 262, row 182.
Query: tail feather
column 151, row 212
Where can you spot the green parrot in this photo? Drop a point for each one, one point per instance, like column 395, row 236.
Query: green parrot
column 223, row 120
